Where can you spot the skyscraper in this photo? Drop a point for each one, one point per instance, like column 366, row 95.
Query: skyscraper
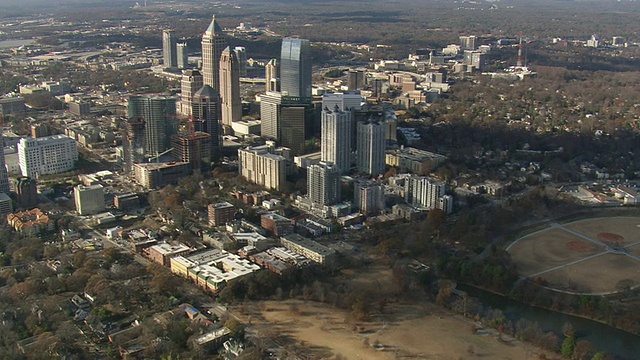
column 230, row 87
column 371, row 144
column 159, row 115
column 425, row 192
column 272, row 75
column 241, row 53
column 270, row 115
column 169, row 51
column 350, row 100
column 368, row 196
column 292, row 127
column 4, row 176
column 190, row 83
column 183, row 56
column 355, row 79
column 207, row 112
column 323, row 184
column 213, row 43
column 26, row 192
column 295, row 68
column 336, row 137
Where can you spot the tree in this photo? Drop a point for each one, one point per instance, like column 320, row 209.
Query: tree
column 237, row 329
column 568, row 346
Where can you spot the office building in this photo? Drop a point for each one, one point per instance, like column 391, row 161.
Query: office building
column 47, row 155
column 272, row 75
column 323, row 184
column 213, row 43
column 126, row 201
column 190, row 82
column 413, row 160
column 182, row 52
column 467, row 42
column 261, row 166
column 169, row 49
column 4, row 176
column 293, row 127
column 89, row 199
column 336, row 129
column 159, row 115
column 154, row 176
column 26, row 192
column 221, row 213
column 12, row 105
column 207, row 114
column 6, row 204
column 241, row 54
column 355, row 79
column 368, row 197
column 269, row 115
column 295, row 68
column 371, row 144
column 40, row 130
column 275, row 224
column 230, row 87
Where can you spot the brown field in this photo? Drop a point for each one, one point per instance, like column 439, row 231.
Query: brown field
column 410, row 331
column 550, row 248
column 598, row 275
column 555, row 247
column 625, row 227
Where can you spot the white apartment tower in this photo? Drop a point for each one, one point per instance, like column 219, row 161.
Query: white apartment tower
column 323, row 184
column 336, row 137
column 89, row 199
column 421, row 191
column 350, row 100
column 47, row 155
column 260, row 166
column 368, row 197
column 371, row 144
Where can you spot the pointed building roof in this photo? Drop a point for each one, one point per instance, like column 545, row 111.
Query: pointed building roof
column 206, row 92
column 213, row 28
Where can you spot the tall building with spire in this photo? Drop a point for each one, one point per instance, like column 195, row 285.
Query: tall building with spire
column 169, row 49
column 295, row 68
column 213, row 43
column 272, row 75
column 230, row 87
column 207, row 113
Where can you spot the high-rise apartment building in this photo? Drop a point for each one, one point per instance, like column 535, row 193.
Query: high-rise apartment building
column 272, row 75
column 159, row 115
column 335, row 144
column 89, row 199
column 213, row 43
column 350, row 100
column 4, row 176
column 182, row 52
column 269, row 115
column 260, row 166
column 26, row 192
column 421, row 191
column 230, row 87
column 371, row 144
column 241, row 54
column 207, row 113
column 191, row 82
column 355, row 79
column 323, row 184
column 47, row 155
column 467, row 42
column 295, row 68
column 169, row 49
column 368, row 197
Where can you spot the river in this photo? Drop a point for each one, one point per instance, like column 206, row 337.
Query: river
column 616, row 342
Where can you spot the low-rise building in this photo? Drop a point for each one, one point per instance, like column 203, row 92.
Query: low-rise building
column 414, row 160
column 276, row 224
column 30, row 222
column 126, row 201
column 310, row 249
column 89, row 199
column 162, row 253
column 221, row 213
column 153, row 176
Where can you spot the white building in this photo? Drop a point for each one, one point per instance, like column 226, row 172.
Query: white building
column 368, row 197
column 371, row 145
column 323, row 183
column 351, row 100
column 89, row 199
column 426, row 193
column 259, row 165
column 47, row 155
column 335, row 141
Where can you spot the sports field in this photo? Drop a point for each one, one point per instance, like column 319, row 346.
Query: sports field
column 589, row 256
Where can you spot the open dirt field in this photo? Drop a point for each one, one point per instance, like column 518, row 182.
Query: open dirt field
column 620, row 230
column 549, row 248
column 563, row 254
column 409, row 332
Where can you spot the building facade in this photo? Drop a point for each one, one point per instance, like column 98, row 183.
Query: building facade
column 47, row 155
column 323, row 184
column 335, row 135
column 230, row 87
column 272, row 76
column 221, row 213
column 270, row 115
column 26, row 192
column 368, row 197
column 158, row 112
column 4, row 175
column 183, row 55
column 190, row 83
column 371, row 145
column 89, row 199
column 169, row 49
column 295, row 68
column 213, row 43
column 261, row 166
